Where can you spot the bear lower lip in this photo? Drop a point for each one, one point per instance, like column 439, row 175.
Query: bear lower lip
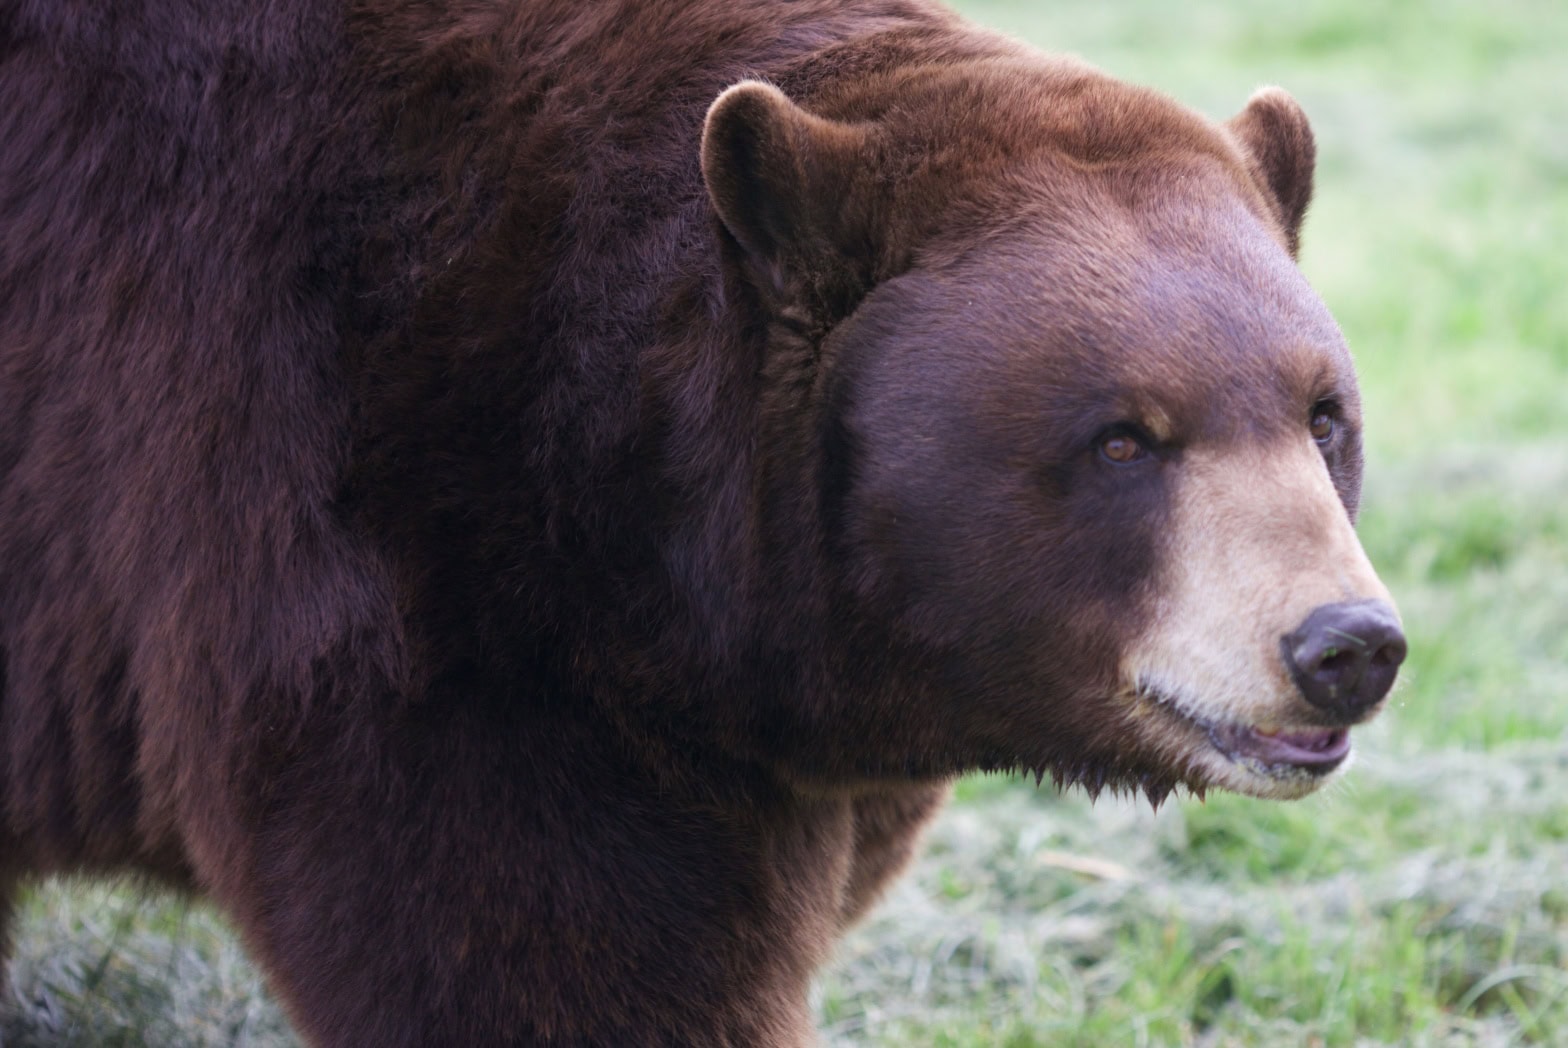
column 1316, row 750
column 1268, row 750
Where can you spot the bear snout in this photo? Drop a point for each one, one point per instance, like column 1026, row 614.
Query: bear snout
column 1344, row 657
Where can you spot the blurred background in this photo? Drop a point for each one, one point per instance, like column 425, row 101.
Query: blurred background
column 1423, row 900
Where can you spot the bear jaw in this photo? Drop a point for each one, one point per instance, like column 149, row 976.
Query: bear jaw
column 1208, row 750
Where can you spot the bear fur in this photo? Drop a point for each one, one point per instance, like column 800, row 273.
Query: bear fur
column 525, row 506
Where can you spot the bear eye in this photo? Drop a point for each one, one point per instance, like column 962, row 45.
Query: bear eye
column 1122, row 448
column 1322, row 424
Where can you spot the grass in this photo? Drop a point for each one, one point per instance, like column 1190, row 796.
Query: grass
column 105, row 968
column 1421, row 901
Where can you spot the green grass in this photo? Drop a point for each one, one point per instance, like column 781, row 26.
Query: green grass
column 105, row 968
column 1418, row 902
column 1421, row 901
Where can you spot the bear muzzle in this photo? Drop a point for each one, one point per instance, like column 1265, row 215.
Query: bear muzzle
column 1343, row 659
column 1273, row 636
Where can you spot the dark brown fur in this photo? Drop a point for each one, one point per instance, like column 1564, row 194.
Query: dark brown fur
column 427, row 531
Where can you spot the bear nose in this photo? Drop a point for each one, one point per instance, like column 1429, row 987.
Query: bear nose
column 1344, row 657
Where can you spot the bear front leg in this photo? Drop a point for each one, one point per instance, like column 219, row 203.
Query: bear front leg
column 8, row 894
column 493, row 883
column 10, row 889
column 887, row 829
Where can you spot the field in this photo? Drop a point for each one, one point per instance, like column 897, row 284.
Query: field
column 1421, row 901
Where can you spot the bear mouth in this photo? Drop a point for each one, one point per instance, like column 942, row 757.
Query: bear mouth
column 1315, row 750
column 1274, row 751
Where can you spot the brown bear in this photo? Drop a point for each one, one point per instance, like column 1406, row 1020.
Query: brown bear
column 526, row 505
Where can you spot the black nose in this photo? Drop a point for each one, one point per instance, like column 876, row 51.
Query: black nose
column 1344, row 657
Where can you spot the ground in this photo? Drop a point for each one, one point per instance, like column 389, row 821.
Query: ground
column 1423, row 901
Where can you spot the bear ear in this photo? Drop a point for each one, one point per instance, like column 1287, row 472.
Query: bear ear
column 782, row 182
column 1273, row 131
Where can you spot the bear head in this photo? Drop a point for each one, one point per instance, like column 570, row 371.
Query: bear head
column 1084, row 447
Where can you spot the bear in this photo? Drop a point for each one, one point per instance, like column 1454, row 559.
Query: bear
column 527, row 506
